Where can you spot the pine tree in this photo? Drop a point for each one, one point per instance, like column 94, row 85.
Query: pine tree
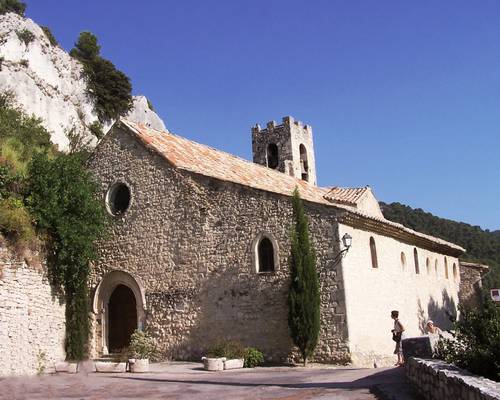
column 303, row 298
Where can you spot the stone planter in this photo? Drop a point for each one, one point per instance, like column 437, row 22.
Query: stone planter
column 139, row 365
column 213, row 364
column 113, row 367
column 234, row 363
column 67, row 367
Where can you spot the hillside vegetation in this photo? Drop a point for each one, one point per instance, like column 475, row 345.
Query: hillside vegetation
column 482, row 245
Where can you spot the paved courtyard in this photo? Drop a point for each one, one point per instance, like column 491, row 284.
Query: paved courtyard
column 179, row 380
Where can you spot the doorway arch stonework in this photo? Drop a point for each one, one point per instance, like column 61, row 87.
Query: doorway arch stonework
column 100, row 306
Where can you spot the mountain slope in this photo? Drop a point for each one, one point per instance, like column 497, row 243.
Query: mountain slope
column 47, row 82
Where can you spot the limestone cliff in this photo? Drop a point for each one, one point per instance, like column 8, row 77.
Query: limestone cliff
column 48, row 83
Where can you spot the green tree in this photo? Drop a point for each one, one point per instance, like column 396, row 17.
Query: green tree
column 303, row 297
column 63, row 198
column 86, row 48
column 14, row 6
column 477, row 340
column 109, row 87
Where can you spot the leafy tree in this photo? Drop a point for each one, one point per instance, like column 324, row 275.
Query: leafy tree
column 63, row 198
column 303, row 297
column 86, row 48
column 477, row 340
column 15, row 6
column 109, row 87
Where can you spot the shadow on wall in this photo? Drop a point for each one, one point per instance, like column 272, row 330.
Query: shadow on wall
column 443, row 315
column 251, row 310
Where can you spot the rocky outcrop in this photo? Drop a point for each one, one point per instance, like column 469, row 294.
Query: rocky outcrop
column 47, row 82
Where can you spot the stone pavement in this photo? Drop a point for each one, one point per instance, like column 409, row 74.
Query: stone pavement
column 182, row 380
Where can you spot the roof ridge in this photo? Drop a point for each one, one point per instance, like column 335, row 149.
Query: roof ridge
column 267, row 169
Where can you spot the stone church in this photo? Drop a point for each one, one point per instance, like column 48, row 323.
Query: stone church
column 200, row 241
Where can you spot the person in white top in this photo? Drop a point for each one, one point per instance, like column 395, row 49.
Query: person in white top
column 397, row 334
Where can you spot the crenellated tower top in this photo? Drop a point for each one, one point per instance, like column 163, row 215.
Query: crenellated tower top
column 287, row 147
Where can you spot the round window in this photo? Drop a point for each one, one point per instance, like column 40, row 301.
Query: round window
column 118, row 198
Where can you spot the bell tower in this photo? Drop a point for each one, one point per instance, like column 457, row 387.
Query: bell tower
column 287, row 148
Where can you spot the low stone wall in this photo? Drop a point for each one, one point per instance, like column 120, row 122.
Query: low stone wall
column 437, row 380
column 32, row 318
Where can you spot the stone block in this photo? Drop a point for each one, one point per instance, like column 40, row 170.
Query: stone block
column 419, row 347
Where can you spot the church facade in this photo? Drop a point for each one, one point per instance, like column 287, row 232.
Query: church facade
column 198, row 250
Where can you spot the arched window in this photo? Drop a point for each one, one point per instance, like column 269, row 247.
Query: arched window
column 445, row 268
column 272, row 156
column 428, row 266
column 403, row 260
column 265, row 251
column 415, row 259
column 373, row 251
column 455, row 272
column 304, row 166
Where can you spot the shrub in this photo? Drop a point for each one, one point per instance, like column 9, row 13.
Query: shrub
column 25, row 36
column 95, row 129
column 477, row 341
column 16, row 221
column 226, row 348
column 110, row 88
column 303, row 297
column 14, row 6
column 141, row 345
column 53, row 41
column 253, row 357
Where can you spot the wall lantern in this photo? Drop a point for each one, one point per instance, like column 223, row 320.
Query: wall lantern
column 347, row 242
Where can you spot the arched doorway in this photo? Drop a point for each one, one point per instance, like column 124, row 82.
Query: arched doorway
column 119, row 307
column 122, row 318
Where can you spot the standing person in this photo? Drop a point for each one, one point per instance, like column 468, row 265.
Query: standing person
column 397, row 333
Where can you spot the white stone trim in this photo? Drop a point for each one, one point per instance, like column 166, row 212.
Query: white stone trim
column 101, row 300
column 255, row 252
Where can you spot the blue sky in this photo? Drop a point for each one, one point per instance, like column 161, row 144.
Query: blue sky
column 402, row 96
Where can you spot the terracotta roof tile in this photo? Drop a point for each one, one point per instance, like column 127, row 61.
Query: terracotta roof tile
column 348, row 196
column 204, row 160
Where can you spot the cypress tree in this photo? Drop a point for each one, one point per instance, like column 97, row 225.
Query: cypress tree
column 303, row 297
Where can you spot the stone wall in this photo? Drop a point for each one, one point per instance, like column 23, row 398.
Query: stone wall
column 188, row 239
column 470, row 283
column 32, row 318
column 371, row 293
column 437, row 380
column 288, row 137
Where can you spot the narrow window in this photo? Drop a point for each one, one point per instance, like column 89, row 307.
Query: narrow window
column 455, row 273
column 415, row 258
column 266, row 255
column 403, row 260
column 304, row 166
column 428, row 266
column 272, row 156
column 445, row 268
column 373, row 251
